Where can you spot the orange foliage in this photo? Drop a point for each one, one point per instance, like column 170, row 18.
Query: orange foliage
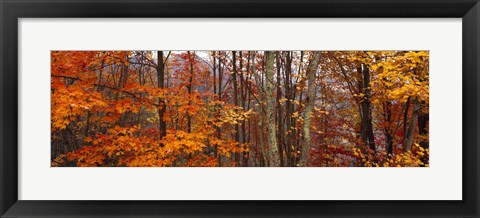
column 106, row 108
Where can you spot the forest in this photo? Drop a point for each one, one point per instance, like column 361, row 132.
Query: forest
column 239, row 108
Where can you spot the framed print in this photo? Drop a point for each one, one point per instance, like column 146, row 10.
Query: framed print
column 225, row 108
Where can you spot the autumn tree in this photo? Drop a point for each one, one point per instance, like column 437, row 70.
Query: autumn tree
column 310, row 100
column 270, row 109
column 240, row 108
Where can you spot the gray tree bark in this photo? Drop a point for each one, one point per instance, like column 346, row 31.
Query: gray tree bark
column 307, row 116
column 270, row 110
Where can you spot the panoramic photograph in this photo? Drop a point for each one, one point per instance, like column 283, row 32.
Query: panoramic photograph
column 239, row 108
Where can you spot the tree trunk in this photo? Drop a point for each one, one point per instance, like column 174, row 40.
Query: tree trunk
column 270, row 110
column 411, row 126
column 295, row 131
column 388, row 130
column 423, row 118
column 218, row 106
column 280, row 133
column 288, row 110
column 235, row 101
column 405, row 120
column 243, row 96
column 161, row 102
column 215, row 148
column 189, row 89
column 366, row 120
column 307, row 116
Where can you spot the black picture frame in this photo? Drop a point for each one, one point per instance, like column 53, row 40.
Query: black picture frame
column 10, row 11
